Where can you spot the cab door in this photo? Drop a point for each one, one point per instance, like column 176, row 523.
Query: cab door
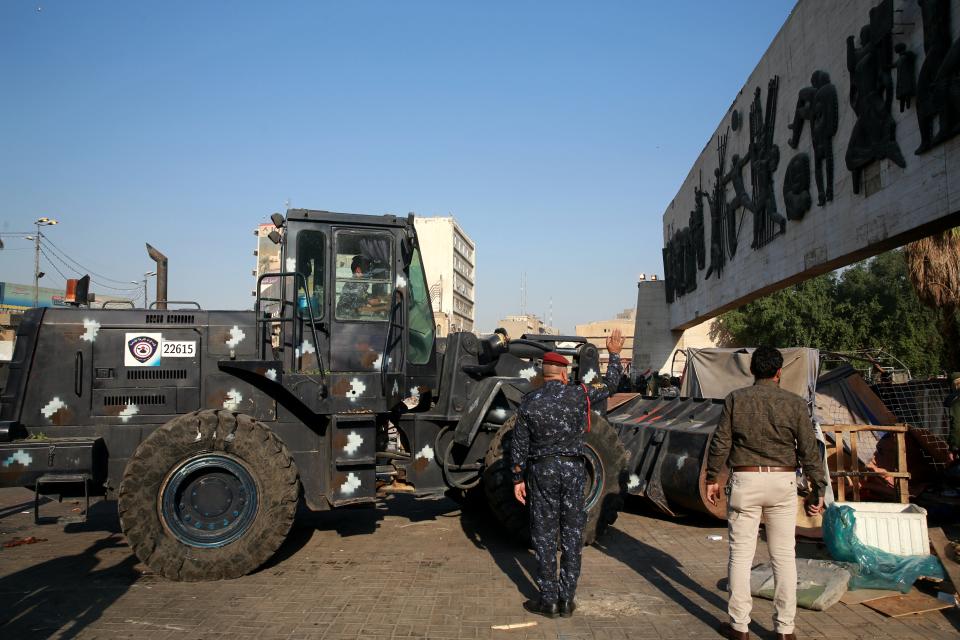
column 367, row 336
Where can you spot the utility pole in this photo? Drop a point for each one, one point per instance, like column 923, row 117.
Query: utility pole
column 40, row 222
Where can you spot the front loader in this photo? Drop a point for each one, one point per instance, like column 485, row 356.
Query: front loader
column 209, row 427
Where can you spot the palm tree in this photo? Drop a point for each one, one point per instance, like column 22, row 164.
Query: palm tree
column 933, row 264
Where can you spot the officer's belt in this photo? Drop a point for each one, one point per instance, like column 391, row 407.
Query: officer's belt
column 556, row 456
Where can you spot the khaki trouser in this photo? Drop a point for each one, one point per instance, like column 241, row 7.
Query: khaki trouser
column 774, row 497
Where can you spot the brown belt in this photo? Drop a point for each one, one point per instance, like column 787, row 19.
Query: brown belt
column 765, row 469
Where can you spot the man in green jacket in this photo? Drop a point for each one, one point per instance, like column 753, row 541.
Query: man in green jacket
column 764, row 434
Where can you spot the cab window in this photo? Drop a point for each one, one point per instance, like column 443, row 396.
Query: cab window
column 364, row 275
column 420, row 314
column 311, row 254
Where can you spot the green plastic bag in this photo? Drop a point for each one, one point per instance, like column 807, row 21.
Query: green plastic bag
column 872, row 568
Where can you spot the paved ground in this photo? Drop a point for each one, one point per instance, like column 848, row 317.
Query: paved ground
column 413, row 568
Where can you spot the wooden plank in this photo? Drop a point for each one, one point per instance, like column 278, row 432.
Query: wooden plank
column 855, row 464
column 939, row 543
column 903, row 490
column 889, row 428
column 841, row 466
column 912, row 603
column 865, row 595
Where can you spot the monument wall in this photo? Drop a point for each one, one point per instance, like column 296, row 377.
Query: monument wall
column 844, row 142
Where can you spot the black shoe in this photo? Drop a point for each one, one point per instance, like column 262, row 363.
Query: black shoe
column 541, row 609
column 567, row 607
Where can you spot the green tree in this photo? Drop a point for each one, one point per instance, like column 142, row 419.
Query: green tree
column 871, row 304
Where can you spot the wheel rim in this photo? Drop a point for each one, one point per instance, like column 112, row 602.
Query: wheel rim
column 208, row 501
column 593, row 487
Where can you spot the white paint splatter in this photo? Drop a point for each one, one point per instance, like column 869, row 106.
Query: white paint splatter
column 233, row 400
column 378, row 363
column 271, row 374
column 305, row 348
column 633, row 482
column 92, row 327
column 528, row 373
column 681, row 460
column 236, row 335
column 499, row 413
column 426, row 453
column 291, row 264
column 351, row 484
column 52, row 407
column 354, row 440
column 474, row 405
column 20, row 456
column 357, row 387
column 130, row 411
column 414, row 392
column 396, row 389
column 589, row 376
column 401, row 281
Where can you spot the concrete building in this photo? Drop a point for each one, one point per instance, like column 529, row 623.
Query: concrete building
column 518, row 325
column 655, row 345
column 449, row 259
column 596, row 333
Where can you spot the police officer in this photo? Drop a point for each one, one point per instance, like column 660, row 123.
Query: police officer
column 548, row 446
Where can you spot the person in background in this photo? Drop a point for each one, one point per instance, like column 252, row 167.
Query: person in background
column 765, row 432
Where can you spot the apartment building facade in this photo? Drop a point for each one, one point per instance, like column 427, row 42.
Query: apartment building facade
column 449, row 259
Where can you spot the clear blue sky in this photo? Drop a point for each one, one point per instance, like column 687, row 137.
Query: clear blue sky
column 555, row 132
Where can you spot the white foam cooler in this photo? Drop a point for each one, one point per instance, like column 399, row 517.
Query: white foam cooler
column 898, row 528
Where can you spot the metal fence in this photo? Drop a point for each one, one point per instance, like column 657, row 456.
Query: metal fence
column 919, row 403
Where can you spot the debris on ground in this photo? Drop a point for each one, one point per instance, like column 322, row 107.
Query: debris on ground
column 16, row 542
column 820, row 583
column 900, row 605
column 515, row 625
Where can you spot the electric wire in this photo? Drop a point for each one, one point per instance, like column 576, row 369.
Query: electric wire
column 79, row 267
column 70, row 268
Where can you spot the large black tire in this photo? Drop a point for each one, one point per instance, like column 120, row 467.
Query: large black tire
column 605, row 485
column 240, row 469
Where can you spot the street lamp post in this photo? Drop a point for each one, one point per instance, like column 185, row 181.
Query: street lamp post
column 148, row 274
column 40, row 222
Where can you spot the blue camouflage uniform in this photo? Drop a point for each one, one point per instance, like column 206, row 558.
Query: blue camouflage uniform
column 548, row 435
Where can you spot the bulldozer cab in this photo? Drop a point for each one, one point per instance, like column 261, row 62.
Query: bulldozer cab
column 350, row 308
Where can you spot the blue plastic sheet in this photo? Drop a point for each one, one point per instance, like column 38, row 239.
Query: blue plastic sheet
column 872, row 568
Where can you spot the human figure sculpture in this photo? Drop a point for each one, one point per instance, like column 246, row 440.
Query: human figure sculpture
column 697, row 228
column 824, row 128
column 718, row 256
column 689, row 260
column 668, row 273
column 871, row 94
column 936, row 45
column 802, row 113
column 764, row 160
column 906, row 75
column 740, row 198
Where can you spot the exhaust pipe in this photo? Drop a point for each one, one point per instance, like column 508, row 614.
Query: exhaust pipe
column 161, row 261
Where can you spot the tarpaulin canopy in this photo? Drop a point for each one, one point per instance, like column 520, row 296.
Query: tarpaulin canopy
column 715, row 372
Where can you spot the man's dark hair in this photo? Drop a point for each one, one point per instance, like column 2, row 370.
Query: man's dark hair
column 765, row 363
column 501, row 331
column 359, row 262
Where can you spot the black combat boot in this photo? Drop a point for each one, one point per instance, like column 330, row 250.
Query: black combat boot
column 542, row 608
column 567, row 607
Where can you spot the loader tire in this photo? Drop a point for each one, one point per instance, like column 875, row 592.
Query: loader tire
column 606, row 463
column 209, row 495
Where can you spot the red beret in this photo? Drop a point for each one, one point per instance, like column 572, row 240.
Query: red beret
column 553, row 357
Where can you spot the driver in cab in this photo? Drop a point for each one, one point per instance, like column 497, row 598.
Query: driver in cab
column 355, row 298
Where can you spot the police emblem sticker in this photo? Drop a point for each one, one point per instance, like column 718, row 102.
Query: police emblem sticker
column 142, row 349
